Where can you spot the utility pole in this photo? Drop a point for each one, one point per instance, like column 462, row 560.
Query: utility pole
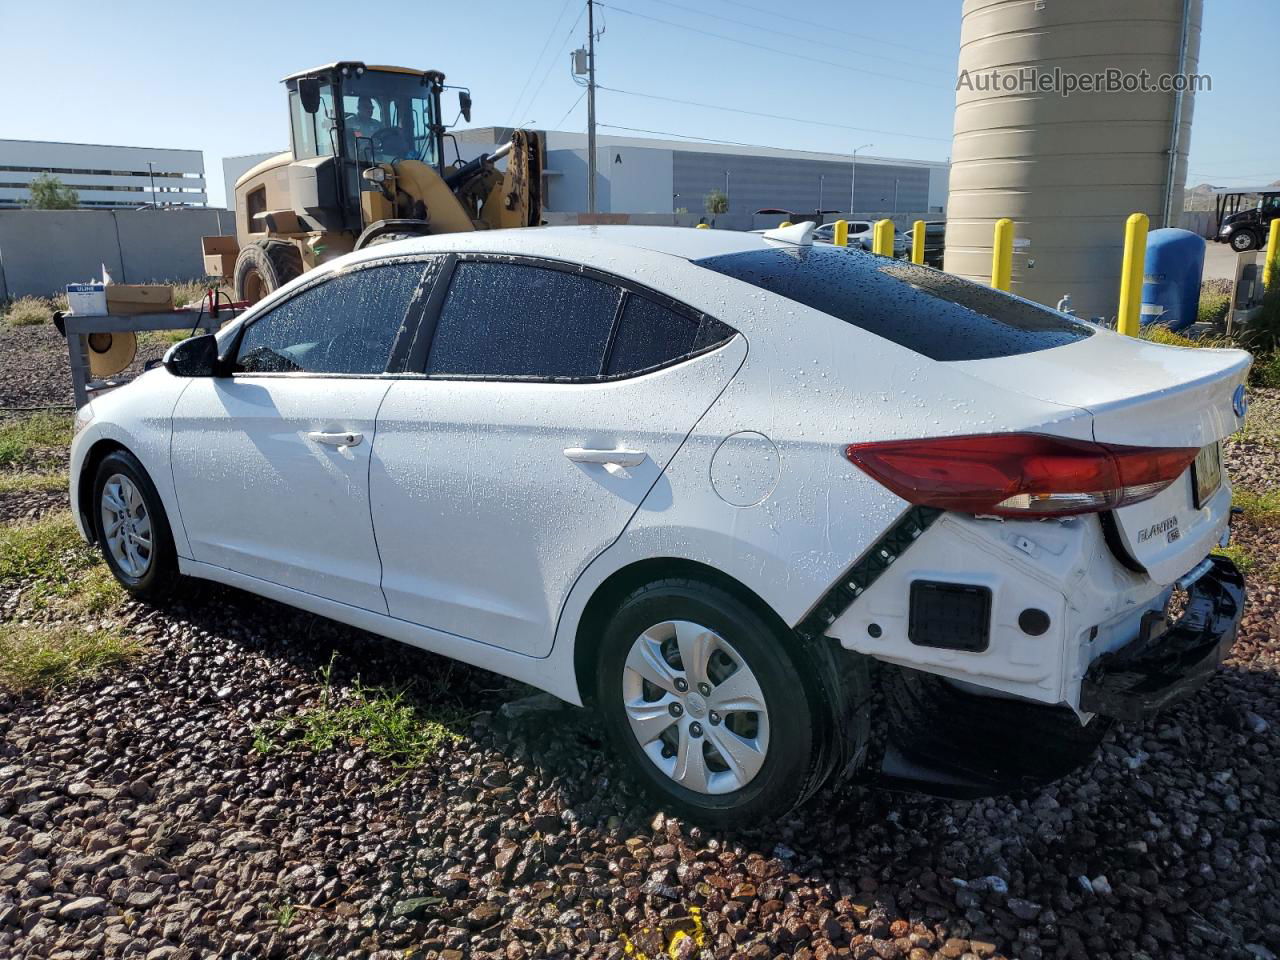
column 591, row 108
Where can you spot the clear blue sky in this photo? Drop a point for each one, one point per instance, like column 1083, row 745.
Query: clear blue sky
column 206, row 75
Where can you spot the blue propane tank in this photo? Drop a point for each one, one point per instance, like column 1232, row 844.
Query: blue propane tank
column 1171, row 278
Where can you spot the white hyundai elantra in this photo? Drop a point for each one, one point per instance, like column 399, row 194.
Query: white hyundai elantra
column 779, row 513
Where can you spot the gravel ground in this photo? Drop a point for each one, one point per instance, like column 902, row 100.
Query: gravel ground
column 34, row 369
column 137, row 818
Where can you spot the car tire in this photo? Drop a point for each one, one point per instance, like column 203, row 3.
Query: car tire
column 123, row 494
column 1243, row 241
column 779, row 754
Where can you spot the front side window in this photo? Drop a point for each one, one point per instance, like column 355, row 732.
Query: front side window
column 521, row 321
column 932, row 313
column 345, row 325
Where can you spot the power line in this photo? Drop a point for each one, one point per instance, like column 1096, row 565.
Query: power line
column 777, row 50
column 571, row 109
column 775, row 116
column 689, row 136
column 543, row 82
column 830, row 29
column 796, row 36
column 537, row 60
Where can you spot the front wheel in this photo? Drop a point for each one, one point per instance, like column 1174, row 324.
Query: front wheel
column 132, row 528
column 709, row 704
column 1242, row 241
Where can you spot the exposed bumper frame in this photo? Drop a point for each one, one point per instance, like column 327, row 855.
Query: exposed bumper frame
column 1161, row 667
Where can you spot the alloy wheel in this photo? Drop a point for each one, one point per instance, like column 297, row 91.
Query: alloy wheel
column 695, row 707
column 126, row 526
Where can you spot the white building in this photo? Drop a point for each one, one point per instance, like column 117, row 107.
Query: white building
column 104, row 176
column 642, row 175
column 233, row 168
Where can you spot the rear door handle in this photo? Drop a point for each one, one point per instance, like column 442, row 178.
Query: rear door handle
column 336, row 439
column 620, row 458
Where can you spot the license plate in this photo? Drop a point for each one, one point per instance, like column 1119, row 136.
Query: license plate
column 1206, row 473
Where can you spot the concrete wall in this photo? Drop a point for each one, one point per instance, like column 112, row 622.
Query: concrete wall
column 41, row 251
column 1201, row 222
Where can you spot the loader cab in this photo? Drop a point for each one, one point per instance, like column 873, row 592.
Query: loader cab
column 347, row 117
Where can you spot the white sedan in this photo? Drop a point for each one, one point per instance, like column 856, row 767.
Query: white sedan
column 781, row 514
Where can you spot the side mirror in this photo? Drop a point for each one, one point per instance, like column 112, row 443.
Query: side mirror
column 464, row 104
column 309, row 94
column 196, row 357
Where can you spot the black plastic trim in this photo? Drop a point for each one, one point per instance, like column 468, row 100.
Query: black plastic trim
column 867, row 569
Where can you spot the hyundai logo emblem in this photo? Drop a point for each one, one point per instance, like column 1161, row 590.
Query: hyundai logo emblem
column 1239, row 402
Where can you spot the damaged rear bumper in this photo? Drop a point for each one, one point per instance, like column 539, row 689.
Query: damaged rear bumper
column 1163, row 666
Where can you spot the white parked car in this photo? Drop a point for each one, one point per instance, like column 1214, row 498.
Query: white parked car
column 861, row 235
column 776, row 511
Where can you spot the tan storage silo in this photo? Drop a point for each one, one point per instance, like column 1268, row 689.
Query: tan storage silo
column 1067, row 169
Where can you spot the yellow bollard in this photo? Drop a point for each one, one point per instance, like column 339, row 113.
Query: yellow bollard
column 840, row 232
column 917, row 242
column 1002, row 255
column 784, row 223
column 882, row 238
column 1135, row 255
column 704, row 226
column 1273, row 256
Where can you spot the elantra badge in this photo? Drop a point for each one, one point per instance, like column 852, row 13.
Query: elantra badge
column 1239, row 402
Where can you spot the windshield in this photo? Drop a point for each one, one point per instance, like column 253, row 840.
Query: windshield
column 388, row 117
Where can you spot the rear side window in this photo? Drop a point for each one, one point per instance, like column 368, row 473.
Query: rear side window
column 650, row 335
column 345, row 325
column 933, row 313
column 516, row 320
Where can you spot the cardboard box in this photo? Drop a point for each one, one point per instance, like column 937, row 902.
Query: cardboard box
column 219, row 256
column 87, row 299
column 128, row 299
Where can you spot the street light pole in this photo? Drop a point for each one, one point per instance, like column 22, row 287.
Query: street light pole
column 853, row 174
column 151, row 170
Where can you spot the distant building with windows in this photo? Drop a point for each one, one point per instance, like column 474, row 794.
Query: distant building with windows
column 104, row 176
column 646, row 175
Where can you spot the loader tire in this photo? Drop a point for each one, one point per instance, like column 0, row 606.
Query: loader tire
column 264, row 266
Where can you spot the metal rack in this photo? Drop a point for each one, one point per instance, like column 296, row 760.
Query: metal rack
column 77, row 330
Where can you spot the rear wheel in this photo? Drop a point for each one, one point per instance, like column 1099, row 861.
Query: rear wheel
column 264, row 266
column 1242, row 241
column 132, row 528
column 709, row 704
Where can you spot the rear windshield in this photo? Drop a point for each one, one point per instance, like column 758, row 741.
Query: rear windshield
column 933, row 313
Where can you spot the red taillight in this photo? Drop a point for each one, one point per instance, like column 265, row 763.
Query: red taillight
column 1020, row 474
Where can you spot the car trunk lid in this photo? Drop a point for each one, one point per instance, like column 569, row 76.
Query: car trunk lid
column 1147, row 395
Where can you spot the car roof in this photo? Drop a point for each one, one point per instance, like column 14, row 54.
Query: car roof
column 570, row 242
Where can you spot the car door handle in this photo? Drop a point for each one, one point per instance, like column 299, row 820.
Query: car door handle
column 620, row 458
column 336, row 439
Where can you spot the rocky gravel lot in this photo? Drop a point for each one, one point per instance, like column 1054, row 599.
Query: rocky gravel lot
column 141, row 815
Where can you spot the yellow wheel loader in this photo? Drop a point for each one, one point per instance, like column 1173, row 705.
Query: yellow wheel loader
column 367, row 166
